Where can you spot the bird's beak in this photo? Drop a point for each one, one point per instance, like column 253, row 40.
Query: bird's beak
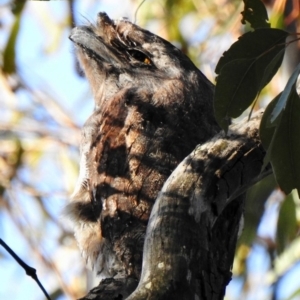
column 95, row 46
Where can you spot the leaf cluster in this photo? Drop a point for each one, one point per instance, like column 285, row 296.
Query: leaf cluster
column 242, row 72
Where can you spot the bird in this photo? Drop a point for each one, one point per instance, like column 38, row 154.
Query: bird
column 152, row 107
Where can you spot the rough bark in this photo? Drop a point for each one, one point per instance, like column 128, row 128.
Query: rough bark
column 194, row 224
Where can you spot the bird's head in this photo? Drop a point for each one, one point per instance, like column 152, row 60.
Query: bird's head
column 120, row 54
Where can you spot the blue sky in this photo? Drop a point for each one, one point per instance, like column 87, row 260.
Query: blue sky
column 56, row 70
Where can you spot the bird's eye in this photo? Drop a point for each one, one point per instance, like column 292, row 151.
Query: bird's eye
column 140, row 56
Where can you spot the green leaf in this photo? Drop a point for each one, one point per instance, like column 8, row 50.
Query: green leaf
column 9, row 64
column 285, row 94
column 271, row 69
column 256, row 197
column 244, row 70
column 252, row 44
column 285, row 145
column 287, row 222
column 267, row 130
column 230, row 98
column 256, row 14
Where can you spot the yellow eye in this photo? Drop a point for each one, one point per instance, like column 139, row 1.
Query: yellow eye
column 139, row 56
column 147, row 61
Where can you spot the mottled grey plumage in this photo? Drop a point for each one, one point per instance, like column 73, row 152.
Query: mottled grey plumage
column 152, row 107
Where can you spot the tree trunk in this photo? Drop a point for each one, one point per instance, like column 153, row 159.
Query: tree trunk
column 193, row 228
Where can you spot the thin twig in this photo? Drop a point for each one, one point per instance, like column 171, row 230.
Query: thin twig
column 135, row 14
column 29, row 270
column 44, row 258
